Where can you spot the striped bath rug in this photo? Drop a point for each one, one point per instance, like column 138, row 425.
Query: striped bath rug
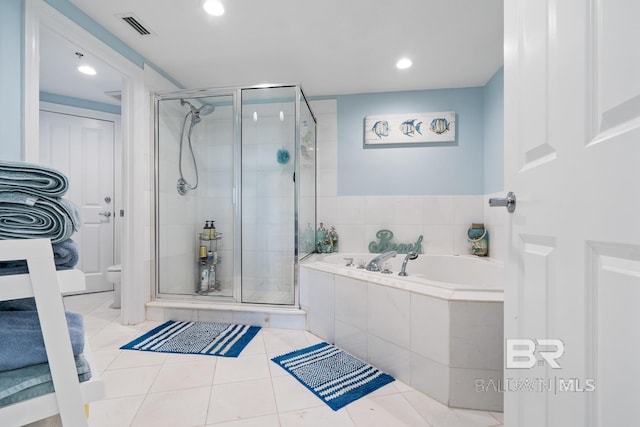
column 212, row 339
column 333, row 375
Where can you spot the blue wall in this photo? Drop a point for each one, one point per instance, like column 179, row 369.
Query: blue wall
column 494, row 133
column 455, row 168
column 11, row 87
column 79, row 103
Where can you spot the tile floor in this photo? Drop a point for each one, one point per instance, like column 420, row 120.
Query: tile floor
column 156, row 390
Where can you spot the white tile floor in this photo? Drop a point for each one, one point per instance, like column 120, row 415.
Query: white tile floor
column 154, row 389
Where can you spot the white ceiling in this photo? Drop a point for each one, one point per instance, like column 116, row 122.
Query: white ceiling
column 331, row 47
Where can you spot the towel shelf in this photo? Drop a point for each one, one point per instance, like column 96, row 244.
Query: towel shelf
column 19, row 285
column 46, row 285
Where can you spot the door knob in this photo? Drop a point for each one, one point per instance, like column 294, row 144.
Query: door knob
column 105, row 214
column 509, row 202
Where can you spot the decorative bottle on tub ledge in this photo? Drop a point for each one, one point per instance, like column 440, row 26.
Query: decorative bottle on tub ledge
column 478, row 239
column 333, row 236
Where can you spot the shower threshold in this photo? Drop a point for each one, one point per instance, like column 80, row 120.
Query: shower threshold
column 266, row 316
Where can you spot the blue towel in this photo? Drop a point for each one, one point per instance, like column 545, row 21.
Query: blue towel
column 22, row 304
column 21, row 342
column 25, row 216
column 35, row 179
column 35, row 380
column 65, row 256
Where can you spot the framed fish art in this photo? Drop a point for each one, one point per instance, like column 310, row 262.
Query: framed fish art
column 410, row 128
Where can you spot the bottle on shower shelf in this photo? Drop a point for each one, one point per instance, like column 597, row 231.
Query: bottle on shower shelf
column 204, row 277
column 212, row 277
column 212, row 230
column 205, row 231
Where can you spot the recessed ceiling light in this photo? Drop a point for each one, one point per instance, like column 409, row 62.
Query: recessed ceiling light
column 213, row 7
column 85, row 69
column 404, row 63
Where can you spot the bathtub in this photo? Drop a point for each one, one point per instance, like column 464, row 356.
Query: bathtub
column 450, row 276
column 439, row 329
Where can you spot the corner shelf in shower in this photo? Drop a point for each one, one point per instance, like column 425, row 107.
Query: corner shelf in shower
column 211, row 245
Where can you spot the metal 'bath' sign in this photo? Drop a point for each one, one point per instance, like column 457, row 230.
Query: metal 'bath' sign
column 384, row 244
column 410, row 128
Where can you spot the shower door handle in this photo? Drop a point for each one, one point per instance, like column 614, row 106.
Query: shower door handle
column 509, row 202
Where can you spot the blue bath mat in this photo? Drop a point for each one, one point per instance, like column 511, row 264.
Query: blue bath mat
column 333, row 375
column 212, row 339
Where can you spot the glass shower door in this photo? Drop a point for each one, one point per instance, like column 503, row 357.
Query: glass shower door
column 268, row 195
column 307, row 181
column 195, row 142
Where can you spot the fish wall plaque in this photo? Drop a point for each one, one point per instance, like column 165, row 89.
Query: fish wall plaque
column 409, row 128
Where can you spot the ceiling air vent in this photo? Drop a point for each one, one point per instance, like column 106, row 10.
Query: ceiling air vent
column 134, row 22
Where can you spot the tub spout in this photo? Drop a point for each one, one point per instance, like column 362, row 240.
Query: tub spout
column 377, row 263
column 410, row 255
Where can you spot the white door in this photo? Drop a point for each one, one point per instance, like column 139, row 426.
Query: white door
column 572, row 152
column 83, row 149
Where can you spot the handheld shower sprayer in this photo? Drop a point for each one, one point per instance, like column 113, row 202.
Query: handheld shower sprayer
column 183, row 185
column 410, row 256
column 197, row 112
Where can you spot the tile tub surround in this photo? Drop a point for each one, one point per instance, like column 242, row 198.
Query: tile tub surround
column 441, row 345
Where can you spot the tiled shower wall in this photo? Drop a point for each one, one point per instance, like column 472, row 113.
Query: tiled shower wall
column 441, row 220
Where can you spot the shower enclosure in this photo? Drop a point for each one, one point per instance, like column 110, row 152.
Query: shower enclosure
column 242, row 160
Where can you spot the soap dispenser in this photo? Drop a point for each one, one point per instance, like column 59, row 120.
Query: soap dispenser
column 212, row 230
column 205, row 231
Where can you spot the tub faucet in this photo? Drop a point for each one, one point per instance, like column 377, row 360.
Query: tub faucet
column 410, row 255
column 377, row 263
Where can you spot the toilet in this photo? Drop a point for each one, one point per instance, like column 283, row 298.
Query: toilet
column 114, row 276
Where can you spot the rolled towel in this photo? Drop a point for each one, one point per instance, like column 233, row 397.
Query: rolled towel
column 35, row 179
column 25, row 216
column 22, row 342
column 65, row 257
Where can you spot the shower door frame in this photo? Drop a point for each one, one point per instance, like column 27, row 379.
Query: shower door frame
column 236, row 93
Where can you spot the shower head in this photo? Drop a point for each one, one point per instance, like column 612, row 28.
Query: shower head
column 197, row 112
column 206, row 109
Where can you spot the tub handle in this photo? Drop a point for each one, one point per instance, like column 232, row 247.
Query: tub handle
column 349, row 262
column 509, row 202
